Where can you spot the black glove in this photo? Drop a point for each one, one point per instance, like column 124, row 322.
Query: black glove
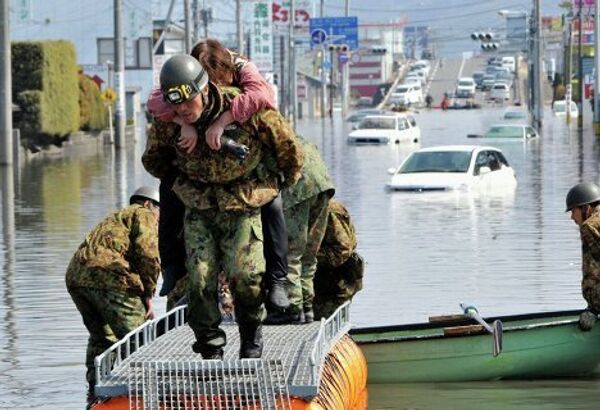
column 587, row 319
column 239, row 150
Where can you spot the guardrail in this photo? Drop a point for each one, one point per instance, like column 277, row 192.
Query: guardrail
column 135, row 340
column 331, row 330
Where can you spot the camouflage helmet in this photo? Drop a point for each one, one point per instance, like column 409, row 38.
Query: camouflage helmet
column 582, row 194
column 145, row 193
column 182, row 78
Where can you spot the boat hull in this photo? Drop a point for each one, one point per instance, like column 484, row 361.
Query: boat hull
column 534, row 346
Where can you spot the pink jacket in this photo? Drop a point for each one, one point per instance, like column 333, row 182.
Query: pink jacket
column 256, row 95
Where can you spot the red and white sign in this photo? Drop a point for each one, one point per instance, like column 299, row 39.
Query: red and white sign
column 281, row 13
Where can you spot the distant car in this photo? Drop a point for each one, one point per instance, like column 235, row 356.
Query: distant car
column 488, row 82
column 359, row 115
column 511, row 132
column 512, row 114
column 509, row 62
column 385, row 129
column 500, row 91
column 407, row 95
column 478, row 78
column 465, row 87
column 364, row 102
column 559, row 109
column 452, row 167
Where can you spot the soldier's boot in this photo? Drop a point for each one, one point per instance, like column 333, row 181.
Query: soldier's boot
column 251, row 342
column 278, row 296
column 171, row 274
column 289, row 316
column 309, row 315
column 210, row 350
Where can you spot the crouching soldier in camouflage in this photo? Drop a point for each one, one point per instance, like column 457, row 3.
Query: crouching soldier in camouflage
column 583, row 201
column 222, row 195
column 112, row 276
column 305, row 211
column 340, row 268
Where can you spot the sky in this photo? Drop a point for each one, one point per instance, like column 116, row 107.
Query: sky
column 452, row 21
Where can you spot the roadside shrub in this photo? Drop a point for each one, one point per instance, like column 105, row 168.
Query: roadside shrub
column 93, row 115
column 45, row 86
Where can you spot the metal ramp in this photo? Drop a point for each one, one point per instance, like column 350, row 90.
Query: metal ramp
column 155, row 366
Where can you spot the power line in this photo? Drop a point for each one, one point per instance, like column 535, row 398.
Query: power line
column 411, row 10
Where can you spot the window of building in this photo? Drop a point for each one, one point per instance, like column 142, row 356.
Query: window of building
column 138, row 53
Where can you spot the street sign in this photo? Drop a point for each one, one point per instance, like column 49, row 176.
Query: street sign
column 108, row 96
column 339, row 30
column 355, row 58
column 343, row 58
column 317, row 36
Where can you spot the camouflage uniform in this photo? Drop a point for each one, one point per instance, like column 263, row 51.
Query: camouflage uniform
column 590, row 241
column 305, row 211
column 340, row 268
column 222, row 196
column 115, row 267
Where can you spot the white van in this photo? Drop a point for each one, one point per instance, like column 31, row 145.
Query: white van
column 509, row 62
column 407, row 94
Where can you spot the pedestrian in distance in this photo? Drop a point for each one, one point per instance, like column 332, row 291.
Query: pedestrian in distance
column 222, row 195
column 112, row 275
column 582, row 201
column 224, row 68
column 428, row 100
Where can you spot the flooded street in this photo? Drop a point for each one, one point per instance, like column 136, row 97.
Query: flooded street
column 506, row 252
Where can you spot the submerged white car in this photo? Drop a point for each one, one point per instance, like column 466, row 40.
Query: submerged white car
column 385, row 129
column 452, row 167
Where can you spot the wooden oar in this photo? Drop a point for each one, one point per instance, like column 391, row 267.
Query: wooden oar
column 495, row 329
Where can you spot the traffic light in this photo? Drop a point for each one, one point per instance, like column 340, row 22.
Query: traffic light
column 338, row 47
column 489, row 46
column 484, row 36
column 378, row 50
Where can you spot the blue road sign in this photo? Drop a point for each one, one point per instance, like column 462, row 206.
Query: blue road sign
column 317, row 36
column 339, row 30
column 343, row 58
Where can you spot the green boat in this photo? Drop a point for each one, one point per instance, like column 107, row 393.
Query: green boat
column 456, row 348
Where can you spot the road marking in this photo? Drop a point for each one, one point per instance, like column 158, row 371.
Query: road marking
column 462, row 65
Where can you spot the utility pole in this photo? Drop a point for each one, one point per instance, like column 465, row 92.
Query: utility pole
column 119, row 77
column 196, row 19
column 239, row 26
column 323, row 74
column 568, row 69
column 165, row 28
column 187, row 15
column 331, row 81
column 6, row 138
column 345, row 71
column 293, row 92
column 597, row 66
column 580, row 70
column 539, row 100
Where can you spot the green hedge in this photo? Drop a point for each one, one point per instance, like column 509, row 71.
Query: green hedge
column 93, row 115
column 45, row 86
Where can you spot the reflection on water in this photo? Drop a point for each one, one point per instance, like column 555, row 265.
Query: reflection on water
column 507, row 252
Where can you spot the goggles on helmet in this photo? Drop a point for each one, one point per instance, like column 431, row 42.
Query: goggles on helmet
column 181, row 93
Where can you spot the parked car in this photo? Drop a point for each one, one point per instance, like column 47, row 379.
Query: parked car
column 407, row 95
column 500, row 91
column 452, row 167
column 509, row 62
column 478, row 78
column 488, row 82
column 358, row 116
column 511, row 132
column 465, row 87
column 559, row 109
column 383, row 129
column 512, row 114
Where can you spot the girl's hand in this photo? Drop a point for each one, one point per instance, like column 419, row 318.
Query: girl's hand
column 188, row 139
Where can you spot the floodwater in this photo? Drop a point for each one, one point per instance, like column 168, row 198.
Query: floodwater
column 505, row 252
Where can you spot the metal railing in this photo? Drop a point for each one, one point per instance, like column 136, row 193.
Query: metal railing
column 114, row 356
column 331, row 330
